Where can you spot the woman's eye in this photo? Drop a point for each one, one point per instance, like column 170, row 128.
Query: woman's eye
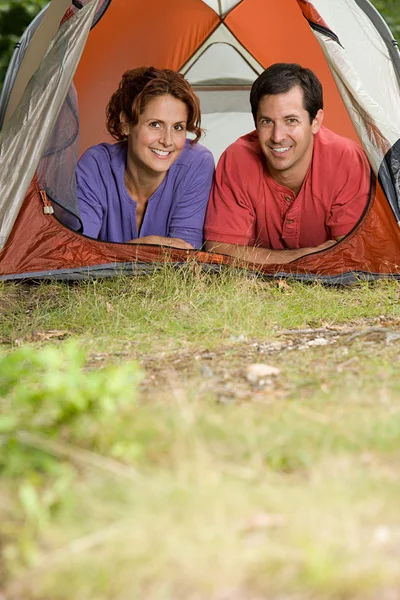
column 179, row 127
column 154, row 124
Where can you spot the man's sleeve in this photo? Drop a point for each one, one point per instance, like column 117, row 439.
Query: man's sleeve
column 349, row 204
column 88, row 183
column 187, row 221
column 230, row 215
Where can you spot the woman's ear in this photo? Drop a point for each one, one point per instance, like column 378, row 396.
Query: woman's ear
column 124, row 124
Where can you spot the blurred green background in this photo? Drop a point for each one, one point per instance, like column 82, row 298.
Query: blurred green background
column 15, row 16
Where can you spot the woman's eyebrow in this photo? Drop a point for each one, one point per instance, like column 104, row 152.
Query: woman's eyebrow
column 161, row 121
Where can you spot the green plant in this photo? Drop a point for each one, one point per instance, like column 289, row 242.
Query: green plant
column 44, row 394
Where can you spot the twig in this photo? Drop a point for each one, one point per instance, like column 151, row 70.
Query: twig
column 310, row 414
column 77, row 454
column 313, row 331
column 368, row 331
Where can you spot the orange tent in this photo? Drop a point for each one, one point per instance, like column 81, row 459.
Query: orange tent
column 71, row 59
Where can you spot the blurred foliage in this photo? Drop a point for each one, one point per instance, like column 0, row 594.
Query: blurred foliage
column 15, row 16
column 50, row 394
column 390, row 10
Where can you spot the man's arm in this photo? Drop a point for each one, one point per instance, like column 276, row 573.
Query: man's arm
column 263, row 256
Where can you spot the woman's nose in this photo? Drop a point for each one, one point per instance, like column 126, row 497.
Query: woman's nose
column 165, row 137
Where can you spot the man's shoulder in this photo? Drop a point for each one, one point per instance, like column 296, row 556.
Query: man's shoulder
column 246, row 144
column 336, row 145
column 244, row 151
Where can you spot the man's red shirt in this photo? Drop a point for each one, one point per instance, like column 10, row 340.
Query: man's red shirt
column 248, row 207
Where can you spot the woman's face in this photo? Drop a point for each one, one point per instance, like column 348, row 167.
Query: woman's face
column 160, row 135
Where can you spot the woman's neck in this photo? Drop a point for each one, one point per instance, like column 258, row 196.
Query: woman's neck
column 140, row 182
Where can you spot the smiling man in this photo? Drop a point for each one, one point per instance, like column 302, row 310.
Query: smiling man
column 291, row 187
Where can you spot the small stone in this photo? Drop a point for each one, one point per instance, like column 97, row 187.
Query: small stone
column 259, row 371
column 264, row 520
column 205, row 371
column 318, row 341
column 237, row 338
column 382, row 534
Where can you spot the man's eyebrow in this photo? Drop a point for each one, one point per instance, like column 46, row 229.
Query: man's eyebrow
column 293, row 115
column 290, row 116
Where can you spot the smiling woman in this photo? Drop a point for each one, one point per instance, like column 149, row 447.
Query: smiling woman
column 152, row 186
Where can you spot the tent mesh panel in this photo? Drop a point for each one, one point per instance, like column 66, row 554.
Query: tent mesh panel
column 56, row 170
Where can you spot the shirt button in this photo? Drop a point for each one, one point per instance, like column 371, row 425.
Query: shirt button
column 290, row 221
column 288, row 199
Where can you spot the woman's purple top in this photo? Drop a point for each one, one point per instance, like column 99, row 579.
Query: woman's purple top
column 176, row 209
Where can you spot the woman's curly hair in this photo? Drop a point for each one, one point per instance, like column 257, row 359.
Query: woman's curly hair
column 138, row 87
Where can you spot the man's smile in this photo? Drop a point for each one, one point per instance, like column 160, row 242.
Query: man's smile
column 280, row 150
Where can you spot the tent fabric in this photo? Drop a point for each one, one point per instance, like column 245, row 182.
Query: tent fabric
column 35, row 52
column 36, row 115
column 222, row 7
column 204, row 39
column 56, row 170
column 221, row 73
column 57, row 245
column 368, row 79
column 15, row 63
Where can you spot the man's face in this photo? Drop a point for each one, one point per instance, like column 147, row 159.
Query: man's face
column 285, row 133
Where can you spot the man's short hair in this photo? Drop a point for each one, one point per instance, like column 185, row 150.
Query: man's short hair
column 280, row 78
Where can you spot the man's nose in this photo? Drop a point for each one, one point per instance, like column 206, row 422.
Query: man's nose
column 278, row 133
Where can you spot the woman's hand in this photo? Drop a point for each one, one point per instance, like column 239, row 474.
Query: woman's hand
column 159, row 240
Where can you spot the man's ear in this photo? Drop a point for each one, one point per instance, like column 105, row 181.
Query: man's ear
column 316, row 124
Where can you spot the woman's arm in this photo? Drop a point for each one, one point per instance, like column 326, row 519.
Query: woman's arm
column 158, row 240
column 193, row 192
column 89, row 191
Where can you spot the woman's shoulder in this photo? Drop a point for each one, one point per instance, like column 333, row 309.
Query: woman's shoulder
column 103, row 154
column 194, row 154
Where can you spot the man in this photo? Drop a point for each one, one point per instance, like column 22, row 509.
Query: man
column 292, row 187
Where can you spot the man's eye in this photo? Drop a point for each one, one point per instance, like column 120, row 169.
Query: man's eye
column 266, row 122
column 292, row 121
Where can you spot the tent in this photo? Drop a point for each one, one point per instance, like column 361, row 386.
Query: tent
column 70, row 60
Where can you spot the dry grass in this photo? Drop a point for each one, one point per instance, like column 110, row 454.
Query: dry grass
column 285, row 487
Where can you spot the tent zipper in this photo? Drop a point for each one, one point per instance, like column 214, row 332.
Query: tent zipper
column 47, row 207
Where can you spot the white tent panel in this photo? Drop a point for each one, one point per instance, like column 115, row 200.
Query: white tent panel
column 222, row 35
column 221, row 62
column 222, row 7
column 222, row 129
column 224, row 100
column 36, row 50
column 364, row 66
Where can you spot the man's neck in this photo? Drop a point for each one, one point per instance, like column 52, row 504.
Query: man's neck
column 287, row 180
column 294, row 177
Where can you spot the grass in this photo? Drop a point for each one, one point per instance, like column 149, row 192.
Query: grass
column 174, row 307
column 207, row 485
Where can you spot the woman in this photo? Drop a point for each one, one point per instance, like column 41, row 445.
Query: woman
column 151, row 187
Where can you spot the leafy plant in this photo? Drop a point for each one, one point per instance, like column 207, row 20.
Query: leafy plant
column 45, row 394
